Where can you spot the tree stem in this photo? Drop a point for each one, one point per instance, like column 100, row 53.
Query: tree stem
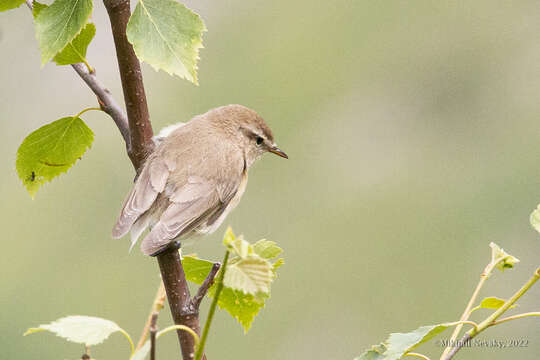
column 200, row 348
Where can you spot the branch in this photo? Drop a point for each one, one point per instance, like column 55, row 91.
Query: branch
column 491, row 320
column 196, row 301
column 132, row 83
column 183, row 312
column 105, row 98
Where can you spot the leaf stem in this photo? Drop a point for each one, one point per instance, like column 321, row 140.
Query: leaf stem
column 180, row 327
column 87, row 109
column 490, row 321
column 132, row 346
column 515, row 317
column 219, row 288
column 421, row 356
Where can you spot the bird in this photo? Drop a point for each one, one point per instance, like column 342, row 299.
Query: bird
column 194, row 177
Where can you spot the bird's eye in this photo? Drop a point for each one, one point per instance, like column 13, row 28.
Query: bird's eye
column 259, row 140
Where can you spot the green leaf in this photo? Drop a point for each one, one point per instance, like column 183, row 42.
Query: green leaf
column 51, row 150
column 535, row 218
column 491, row 303
column 502, row 258
column 75, row 51
column 10, row 4
column 57, row 25
column 398, row 344
column 267, row 249
column 37, row 7
column 251, row 275
column 86, row 330
column 237, row 245
column 196, row 270
column 242, row 307
column 168, row 36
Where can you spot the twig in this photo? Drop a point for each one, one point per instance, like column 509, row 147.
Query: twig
column 157, row 305
column 132, row 83
column 153, row 331
column 105, row 99
column 467, row 312
column 196, row 301
column 200, row 349
column 493, row 317
column 515, row 317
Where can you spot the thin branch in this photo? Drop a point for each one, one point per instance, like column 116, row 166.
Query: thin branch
column 515, row 317
column 461, row 342
column 132, row 83
column 196, row 301
column 105, row 99
column 492, row 318
column 153, row 331
column 157, row 305
column 200, row 349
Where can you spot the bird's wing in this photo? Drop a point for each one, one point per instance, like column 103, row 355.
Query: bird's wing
column 148, row 185
column 192, row 204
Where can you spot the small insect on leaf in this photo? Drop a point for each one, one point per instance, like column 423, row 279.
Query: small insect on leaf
column 51, row 150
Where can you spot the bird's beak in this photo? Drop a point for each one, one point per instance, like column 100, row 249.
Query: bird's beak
column 278, row 152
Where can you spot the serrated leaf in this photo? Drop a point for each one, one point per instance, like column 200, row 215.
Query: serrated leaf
column 80, row 329
column 75, row 51
column 242, row 307
column 267, row 249
column 251, row 275
column 57, row 25
column 535, row 218
column 168, row 36
column 398, row 344
column 51, row 150
column 10, row 4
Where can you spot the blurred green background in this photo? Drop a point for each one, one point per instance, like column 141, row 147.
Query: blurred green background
column 414, row 140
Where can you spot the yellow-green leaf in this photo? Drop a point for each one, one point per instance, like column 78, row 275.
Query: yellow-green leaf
column 10, row 4
column 51, row 150
column 250, row 275
column 57, row 25
column 168, row 36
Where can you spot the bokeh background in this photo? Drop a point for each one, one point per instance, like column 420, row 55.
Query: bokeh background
column 413, row 129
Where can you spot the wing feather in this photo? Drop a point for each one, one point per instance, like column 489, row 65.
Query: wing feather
column 148, row 185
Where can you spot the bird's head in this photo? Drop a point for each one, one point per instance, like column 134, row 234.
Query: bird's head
column 250, row 132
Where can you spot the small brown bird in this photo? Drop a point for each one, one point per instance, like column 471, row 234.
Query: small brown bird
column 195, row 176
